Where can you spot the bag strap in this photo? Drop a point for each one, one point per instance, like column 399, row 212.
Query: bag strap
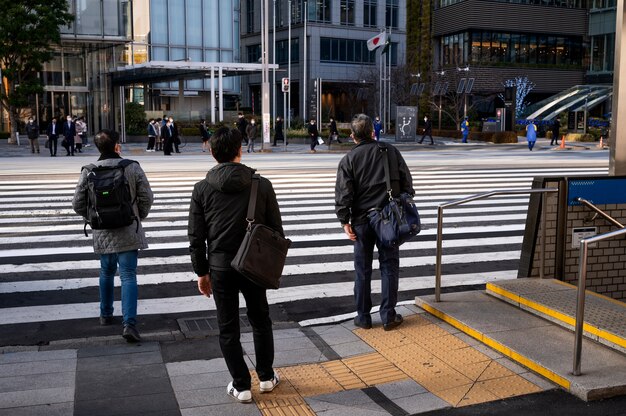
column 252, row 201
column 384, row 151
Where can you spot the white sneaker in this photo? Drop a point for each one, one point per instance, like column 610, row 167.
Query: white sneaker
column 269, row 385
column 244, row 396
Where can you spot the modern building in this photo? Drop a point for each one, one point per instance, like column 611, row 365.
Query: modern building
column 497, row 40
column 328, row 43
column 109, row 39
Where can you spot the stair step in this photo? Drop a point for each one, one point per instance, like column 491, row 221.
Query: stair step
column 554, row 300
column 533, row 342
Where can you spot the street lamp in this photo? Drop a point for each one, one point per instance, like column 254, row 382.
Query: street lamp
column 463, row 87
column 440, row 89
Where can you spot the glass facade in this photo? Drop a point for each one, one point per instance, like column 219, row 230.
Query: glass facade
column 346, row 51
column 493, row 48
column 347, row 12
column 570, row 4
column 369, row 13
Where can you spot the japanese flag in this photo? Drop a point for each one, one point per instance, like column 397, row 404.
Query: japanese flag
column 377, row 41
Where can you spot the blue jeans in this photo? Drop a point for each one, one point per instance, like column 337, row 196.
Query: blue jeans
column 127, row 261
column 389, row 259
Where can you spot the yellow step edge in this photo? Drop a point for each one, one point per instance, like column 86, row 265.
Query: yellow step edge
column 608, row 336
column 526, row 362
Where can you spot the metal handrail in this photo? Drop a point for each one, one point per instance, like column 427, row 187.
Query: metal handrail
column 582, row 283
column 484, row 195
column 598, row 211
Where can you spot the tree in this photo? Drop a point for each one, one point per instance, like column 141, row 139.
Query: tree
column 30, row 32
column 523, row 87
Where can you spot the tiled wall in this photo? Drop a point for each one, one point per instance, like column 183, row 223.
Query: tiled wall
column 606, row 265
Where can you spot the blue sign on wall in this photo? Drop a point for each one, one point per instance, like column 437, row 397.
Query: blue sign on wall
column 598, row 191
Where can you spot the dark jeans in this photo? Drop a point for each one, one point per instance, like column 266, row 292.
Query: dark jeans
column 226, row 287
column 53, row 145
column 70, row 145
column 389, row 259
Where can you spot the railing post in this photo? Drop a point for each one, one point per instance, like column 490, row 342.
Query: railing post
column 542, row 247
column 580, row 306
column 438, row 254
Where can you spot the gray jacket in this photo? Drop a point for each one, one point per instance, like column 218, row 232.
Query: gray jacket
column 126, row 238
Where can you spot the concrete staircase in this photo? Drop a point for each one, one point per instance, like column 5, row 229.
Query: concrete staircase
column 533, row 326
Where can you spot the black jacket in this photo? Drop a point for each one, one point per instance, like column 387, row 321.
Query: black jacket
column 361, row 184
column 217, row 215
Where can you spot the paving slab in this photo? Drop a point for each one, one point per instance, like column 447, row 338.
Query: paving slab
column 534, row 342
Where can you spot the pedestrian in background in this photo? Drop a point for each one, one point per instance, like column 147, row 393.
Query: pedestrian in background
column 251, row 133
column 278, row 131
column 118, row 246
column 378, row 128
column 54, row 129
column 69, row 131
column 217, row 225
column 32, row 131
column 360, row 187
column 556, row 132
column 428, row 130
column 242, row 124
column 531, row 134
column 159, row 138
column 78, row 138
column 204, row 134
column 175, row 135
column 333, row 133
column 151, row 135
column 313, row 134
column 167, row 138
column 464, row 130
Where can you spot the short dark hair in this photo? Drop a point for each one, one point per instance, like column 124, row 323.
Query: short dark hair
column 361, row 127
column 225, row 144
column 106, row 140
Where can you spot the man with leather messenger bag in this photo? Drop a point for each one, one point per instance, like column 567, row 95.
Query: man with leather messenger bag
column 361, row 187
column 216, row 229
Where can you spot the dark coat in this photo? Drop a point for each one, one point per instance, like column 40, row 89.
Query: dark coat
column 361, row 184
column 217, row 215
column 278, row 131
column 57, row 130
column 312, row 130
column 69, row 131
column 32, row 130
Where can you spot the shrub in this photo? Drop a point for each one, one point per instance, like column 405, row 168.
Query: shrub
column 505, row 137
column 136, row 124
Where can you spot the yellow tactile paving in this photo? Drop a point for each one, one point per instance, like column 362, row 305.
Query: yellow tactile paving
column 477, row 394
column 374, row 369
column 311, row 380
column 440, row 362
column 343, row 375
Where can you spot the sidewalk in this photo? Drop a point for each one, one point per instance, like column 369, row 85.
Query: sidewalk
column 300, row 145
column 333, row 369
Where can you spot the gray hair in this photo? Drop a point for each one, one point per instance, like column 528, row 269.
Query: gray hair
column 361, row 127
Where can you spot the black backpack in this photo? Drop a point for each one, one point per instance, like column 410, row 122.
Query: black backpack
column 109, row 201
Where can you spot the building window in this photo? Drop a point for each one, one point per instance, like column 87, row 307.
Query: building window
column 282, row 53
column 347, row 12
column 369, row 13
column 254, row 53
column 345, row 51
column 391, row 14
column 485, row 47
column 250, row 16
column 319, row 11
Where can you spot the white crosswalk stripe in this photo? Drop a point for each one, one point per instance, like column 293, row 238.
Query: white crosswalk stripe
column 43, row 249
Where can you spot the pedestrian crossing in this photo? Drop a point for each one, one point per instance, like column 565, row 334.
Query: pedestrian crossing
column 48, row 271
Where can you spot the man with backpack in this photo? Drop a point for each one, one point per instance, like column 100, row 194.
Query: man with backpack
column 114, row 195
